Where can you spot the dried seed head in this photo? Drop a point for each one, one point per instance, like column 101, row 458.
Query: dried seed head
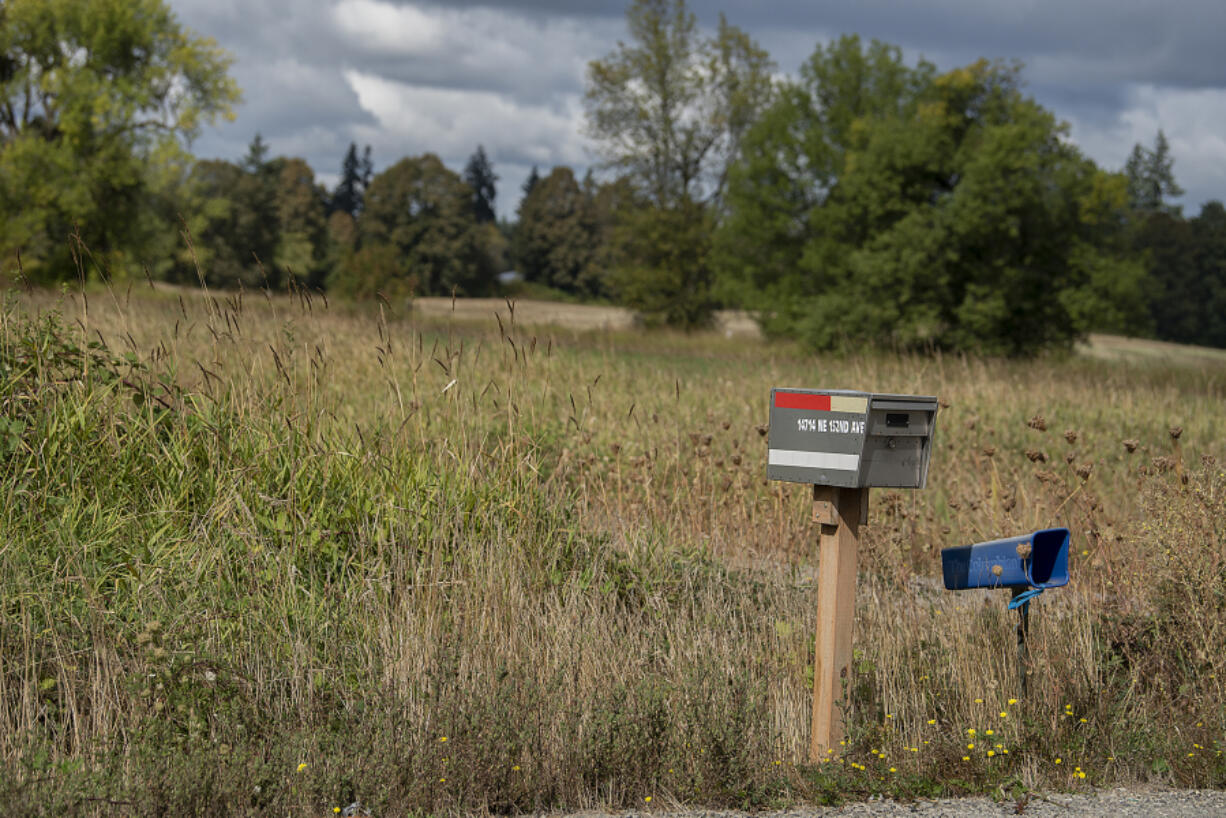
column 695, row 438
column 972, row 423
column 1070, row 435
column 1163, row 464
column 762, row 429
column 616, row 447
column 1176, row 431
column 706, row 440
column 1038, row 422
column 736, row 460
column 944, row 404
column 1208, row 461
column 1131, row 445
column 1069, row 457
column 1083, row 471
column 1008, row 503
column 727, row 424
column 1036, row 456
column 989, row 450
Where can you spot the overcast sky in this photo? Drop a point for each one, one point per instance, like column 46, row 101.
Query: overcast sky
column 411, row 77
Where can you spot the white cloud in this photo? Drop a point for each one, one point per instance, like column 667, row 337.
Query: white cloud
column 469, row 47
column 452, row 122
column 397, row 30
column 1194, row 122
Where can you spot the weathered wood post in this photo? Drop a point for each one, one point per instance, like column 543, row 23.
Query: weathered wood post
column 839, row 513
column 843, row 443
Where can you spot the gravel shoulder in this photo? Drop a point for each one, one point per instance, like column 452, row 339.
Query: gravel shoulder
column 1118, row 803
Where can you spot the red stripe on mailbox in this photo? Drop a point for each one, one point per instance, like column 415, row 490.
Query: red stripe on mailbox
column 802, row 400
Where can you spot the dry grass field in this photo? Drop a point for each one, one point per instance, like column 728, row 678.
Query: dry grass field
column 561, row 315
column 269, row 554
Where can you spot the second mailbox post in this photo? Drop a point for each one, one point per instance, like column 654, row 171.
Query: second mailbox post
column 844, row 443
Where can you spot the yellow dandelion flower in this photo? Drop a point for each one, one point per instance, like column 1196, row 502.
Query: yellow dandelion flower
column 302, row 766
column 647, row 799
column 1057, row 761
column 1081, row 775
column 893, row 770
column 1012, row 702
column 889, row 715
column 516, row 769
column 971, row 746
column 1191, row 755
column 966, row 758
column 932, row 721
column 442, row 739
column 988, row 732
column 442, row 781
column 336, row 810
column 991, row 753
column 978, row 701
column 970, row 731
column 1004, row 715
column 1084, row 721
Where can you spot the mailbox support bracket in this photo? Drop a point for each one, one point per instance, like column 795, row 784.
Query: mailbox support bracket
column 826, row 508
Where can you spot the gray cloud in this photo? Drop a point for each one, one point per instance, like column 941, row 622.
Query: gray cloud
column 411, row 77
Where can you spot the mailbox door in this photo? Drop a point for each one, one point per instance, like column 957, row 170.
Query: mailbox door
column 899, row 442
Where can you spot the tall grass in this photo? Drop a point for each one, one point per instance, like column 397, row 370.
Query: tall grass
column 455, row 567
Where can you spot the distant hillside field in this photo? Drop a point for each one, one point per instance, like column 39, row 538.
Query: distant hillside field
column 567, row 316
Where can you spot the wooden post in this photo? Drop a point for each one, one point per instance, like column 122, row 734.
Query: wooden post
column 839, row 512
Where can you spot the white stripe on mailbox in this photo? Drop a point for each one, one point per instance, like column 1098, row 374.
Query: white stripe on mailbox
column 813, row 460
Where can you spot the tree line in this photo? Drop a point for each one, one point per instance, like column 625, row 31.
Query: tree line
column 867, row 199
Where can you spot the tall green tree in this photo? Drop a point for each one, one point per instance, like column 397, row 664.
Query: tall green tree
column 1187, row 263
column 955, row 215
column 792, row 161
column 668, row 111
column 96, row 97
column 302, row 229
column 533, row 178
column 556, row 238
column 1151, row 178
column 479, row 175
column 417, row 235
column 355, row 178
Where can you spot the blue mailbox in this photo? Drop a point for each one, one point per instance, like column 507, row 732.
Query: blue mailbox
column 1037, row 560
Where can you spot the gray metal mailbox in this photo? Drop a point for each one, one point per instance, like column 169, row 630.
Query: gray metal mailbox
column 834, row 437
